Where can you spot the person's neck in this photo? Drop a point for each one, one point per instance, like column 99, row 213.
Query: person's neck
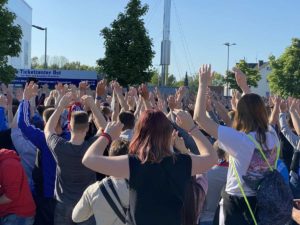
column 76, row 139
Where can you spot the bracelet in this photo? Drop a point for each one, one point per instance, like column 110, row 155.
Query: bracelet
column 191, row 130
column 107, row 136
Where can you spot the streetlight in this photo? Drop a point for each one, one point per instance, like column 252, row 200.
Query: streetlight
column 228, row 46
column 45, row 29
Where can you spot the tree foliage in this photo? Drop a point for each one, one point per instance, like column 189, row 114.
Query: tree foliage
column 59, row 62
column 10, row 42
column 218, row 80
column 284, row 78
column 128, row 48
column 253, row 76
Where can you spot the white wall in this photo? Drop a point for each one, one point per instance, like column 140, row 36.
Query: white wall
column 263, row 88
column 24, row 18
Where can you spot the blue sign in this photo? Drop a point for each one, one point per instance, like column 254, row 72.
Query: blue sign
column 52, row 77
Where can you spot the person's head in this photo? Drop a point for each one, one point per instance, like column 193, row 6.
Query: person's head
column 151, row 140
column 222, row 155
column 127, row 119
column 46, row 116
column 119, row 147
column 251, row 116
column 79, row 123
column 107, row 113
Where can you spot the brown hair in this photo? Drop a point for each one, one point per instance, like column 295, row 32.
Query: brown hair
column 152, row 137
column 47, row 114
column 252, row 116
column 119, row 147
column 79, row 121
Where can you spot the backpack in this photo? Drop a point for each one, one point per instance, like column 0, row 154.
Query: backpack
column 274, row 197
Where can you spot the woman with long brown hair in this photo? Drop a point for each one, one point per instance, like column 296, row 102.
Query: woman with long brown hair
column 250, row 129
column 157, row 176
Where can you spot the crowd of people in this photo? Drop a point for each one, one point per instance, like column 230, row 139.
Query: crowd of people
column 115, row 155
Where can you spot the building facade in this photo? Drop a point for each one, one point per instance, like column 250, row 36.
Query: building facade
column 263, row 88
column 24, row 18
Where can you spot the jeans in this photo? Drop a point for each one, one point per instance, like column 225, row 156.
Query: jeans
column 63, row 215
column 13, row 219
column 44, row 210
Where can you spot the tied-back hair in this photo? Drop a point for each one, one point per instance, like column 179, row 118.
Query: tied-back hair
column 252, row 116
column 151, row 140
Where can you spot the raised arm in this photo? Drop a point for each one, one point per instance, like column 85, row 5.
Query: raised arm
column 274, row 117
column 285, row 129
column 295, row 115
column 98, row 117
column 93, row 159
column 208, row 156
column 241, row 80
column 145, row 96
column 53, row 120
column 200, row 117
column 119, row 93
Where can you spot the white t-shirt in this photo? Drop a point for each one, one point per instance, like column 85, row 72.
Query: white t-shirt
column 241, row 148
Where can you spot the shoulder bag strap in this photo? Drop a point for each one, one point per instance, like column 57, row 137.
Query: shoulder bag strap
column 241, row 188
column 112, row 187
column 112, row 203
column 258, row 146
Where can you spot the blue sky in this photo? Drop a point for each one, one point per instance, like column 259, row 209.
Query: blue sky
column 198, row 29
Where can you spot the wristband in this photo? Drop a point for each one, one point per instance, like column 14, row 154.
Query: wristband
column 193, row 128
column 107, row 136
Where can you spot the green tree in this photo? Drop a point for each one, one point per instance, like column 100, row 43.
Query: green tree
column 218, row 80
column 284, row 78
column 253, row 76
column 171, row 81
column 10, row 42
column 155, row 78
column 128, row 48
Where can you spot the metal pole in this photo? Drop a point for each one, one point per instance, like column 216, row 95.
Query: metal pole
column 46, row 49
column 166, row 43
column 227, row 88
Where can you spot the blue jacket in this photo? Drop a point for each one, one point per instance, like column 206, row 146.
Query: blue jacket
column 3, row 121
column 37, row 137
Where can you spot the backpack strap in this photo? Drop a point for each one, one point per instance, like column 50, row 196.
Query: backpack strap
column 258, row 146
column 231, row 160
column 112, row 203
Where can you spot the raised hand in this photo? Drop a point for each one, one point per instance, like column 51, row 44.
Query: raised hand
column 171, row 102
column 241, row 80
column 184, row 120
column 283, row 107
column 204, row 74
column 87, row 100
column 30, row 90
column 101, row 88
column 83, row 85
column 114, row 129
column 117, row 88
column 144, row 92
column 19, row 94
column 66, row 100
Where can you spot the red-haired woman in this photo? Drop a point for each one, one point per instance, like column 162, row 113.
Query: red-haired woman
column 157, row 176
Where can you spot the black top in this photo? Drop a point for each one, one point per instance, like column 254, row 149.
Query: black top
column 157, row 190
